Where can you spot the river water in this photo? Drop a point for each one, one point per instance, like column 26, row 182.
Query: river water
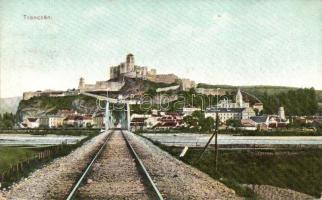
column 190, row 139
column 36, row 140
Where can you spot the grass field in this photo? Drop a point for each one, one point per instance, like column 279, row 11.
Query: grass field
column 298, row 170
column 13, row 155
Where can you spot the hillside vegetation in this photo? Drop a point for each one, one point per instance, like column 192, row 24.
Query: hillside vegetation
column 297, row 101
column 258, row 89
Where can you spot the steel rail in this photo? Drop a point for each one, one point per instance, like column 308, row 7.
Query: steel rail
column 141, row 165
column 89, row 167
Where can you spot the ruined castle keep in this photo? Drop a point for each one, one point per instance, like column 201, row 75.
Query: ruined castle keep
column 129, row 69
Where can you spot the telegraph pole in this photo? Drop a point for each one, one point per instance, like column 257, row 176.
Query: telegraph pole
column 216, row 140
column 107, row 115
column 216, row 132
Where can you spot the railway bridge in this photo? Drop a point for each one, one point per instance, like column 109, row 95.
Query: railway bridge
column 123, row 113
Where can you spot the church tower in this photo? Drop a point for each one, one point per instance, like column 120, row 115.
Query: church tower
column 239, row 99
column 281, row 113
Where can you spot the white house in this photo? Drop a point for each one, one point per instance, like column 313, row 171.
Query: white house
column 51, row 121
column 188, row 111
column 225, row 114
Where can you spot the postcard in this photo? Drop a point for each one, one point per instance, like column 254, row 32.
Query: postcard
column 173, row 99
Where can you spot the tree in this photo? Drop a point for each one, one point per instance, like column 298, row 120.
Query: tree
column 89, row 125
column 7, row 120
column 296, row 102
column 198, row 115
column 233, row 123
column 198, row 121
column 190, row 121
column 208, row 124
column 151, row 92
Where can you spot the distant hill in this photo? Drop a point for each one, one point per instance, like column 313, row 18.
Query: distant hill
column 9, row 105
column 251, row 89
column 258, row 89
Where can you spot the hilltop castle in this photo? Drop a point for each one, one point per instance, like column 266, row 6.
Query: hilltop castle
column 129, row 69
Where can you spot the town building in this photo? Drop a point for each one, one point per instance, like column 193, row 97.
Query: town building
column 188, row 111
column 225, row 114
column 170, row 120
column 209, row 91
column 258, row 106
column 30, row 122
column 158, row 120
column 51, row 121
column 138, row 121
column 227, row 109
column 87, row 121
column 266, row 122
column 73, row 121
column 239, row 102
column 98, row 120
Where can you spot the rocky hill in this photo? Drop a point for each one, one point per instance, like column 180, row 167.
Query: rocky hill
column 40, row 106
column 139, row 86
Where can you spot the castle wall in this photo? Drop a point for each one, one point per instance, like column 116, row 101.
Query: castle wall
column 104, row 85
column 49, row 93
column 166, row 78
column 187, row 84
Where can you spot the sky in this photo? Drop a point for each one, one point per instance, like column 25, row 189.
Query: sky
column 234, row 42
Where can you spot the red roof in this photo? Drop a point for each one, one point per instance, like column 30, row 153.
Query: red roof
column 74, row 117
column 32, row 119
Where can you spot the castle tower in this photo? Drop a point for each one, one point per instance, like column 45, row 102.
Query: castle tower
column 130, row 62
column 81, row 84
column 239, row 99
column 281, row 113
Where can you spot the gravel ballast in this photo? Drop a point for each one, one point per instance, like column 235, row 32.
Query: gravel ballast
column 268, row 192
column 115, row 175
column 56, row 179
column 175, row 179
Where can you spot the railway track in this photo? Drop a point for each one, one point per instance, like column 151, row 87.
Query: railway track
column 115, row 172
